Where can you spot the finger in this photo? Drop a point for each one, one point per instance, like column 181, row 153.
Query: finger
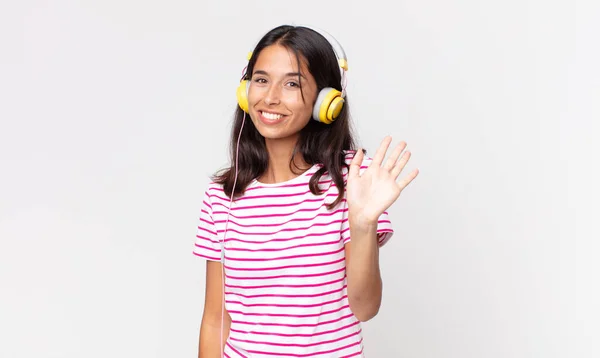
column 355, row 164
column 380, row 154
column 408, row 179
column 393, row 158
column 400, row 165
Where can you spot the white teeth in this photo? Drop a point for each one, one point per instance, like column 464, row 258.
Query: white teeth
column 271, row 116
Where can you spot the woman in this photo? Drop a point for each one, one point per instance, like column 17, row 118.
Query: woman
column 291, row 230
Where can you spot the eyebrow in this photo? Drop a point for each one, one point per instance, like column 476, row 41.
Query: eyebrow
column 289, row 74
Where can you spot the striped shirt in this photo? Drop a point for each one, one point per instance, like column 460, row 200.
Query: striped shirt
column 285, row 272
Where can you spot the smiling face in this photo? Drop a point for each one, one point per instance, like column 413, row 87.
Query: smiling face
column 275, row 101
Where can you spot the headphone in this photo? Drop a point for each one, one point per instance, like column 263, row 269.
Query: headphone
column 329, row 101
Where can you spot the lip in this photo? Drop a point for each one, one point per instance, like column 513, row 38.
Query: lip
column 268, row 121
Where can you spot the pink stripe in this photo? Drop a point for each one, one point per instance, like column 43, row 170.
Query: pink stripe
column 274, row 205
column 273, row 215
column 207, row 257
column 287, row 306
column 285, row 257
column 208, row 239
column 285, row 248
column 285, row 276
column 248, row 197
column 354, row 354
column 205, row 229
column 279, row 240
column 294, row 325
column 323, row 313
column 287, row 229
column 218, row 188
column 283, row 267
column 330, row 213
column 300, row 345
column 297, row 334
column 271, row 205
column 287, row 286
column 307, row 355
column 288, row 296
column 235, row 350
column 207, row 248
column 276, row 198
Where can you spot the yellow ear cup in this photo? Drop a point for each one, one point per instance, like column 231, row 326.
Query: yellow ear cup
column 335, row 108
column 328, row 106
column 242, row 95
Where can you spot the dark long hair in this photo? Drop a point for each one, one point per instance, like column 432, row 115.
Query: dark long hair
column 318, row 143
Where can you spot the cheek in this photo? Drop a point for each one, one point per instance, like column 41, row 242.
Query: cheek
column 252, row 97
column 295, row 101
column 305, row 107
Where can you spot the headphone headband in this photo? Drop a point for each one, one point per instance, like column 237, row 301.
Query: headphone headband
column 337, row 47
column 335, row 44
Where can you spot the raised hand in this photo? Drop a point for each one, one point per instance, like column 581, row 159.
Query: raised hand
column 371, row 193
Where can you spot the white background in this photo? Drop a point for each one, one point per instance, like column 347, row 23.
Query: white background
column 114, row 113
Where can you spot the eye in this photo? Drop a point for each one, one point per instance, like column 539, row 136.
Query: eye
column 293, row 84
column 259, row 80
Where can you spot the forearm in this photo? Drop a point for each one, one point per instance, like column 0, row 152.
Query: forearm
column 210, row 335
column 364, row 277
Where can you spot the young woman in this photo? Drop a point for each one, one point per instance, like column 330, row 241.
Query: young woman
column 291, row 230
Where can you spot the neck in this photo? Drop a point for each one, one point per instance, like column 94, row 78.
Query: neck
column 280, row 154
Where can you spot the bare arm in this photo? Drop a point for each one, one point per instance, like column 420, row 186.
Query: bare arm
column 369, row 193
column 210, row 327
column 364, row 278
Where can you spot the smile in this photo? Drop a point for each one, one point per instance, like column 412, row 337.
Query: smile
column 270, row 118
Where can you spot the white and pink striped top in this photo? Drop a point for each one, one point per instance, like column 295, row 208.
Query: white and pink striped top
column 285, row 276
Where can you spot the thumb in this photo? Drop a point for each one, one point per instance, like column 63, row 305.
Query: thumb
column 354, row 170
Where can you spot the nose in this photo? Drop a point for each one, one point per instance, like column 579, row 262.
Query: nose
column 273, row 95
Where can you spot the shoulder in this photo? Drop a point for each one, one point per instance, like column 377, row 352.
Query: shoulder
column 213, row 186
column 213, row 190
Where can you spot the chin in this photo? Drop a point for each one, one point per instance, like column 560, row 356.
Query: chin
column 285, row 129
column 275, row 134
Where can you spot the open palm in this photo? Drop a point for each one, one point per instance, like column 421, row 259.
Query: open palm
column 371, row 193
